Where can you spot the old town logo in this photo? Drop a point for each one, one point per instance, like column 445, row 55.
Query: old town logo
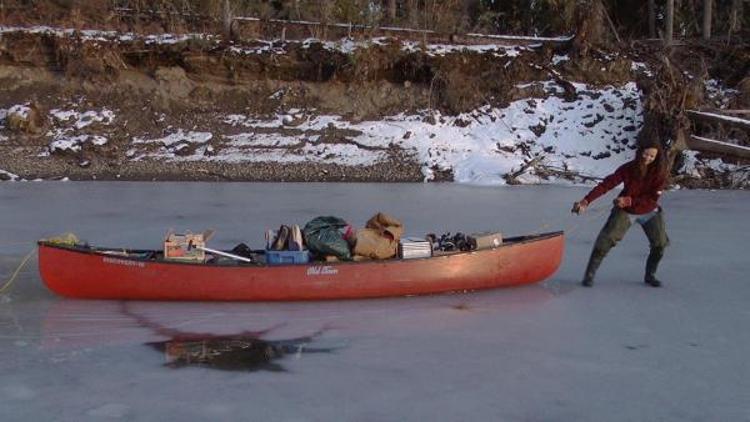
column 125, row 262
column 322, row 270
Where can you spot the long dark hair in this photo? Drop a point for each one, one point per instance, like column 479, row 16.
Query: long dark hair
column 654, row 170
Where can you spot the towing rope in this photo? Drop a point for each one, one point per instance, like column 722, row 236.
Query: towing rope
column 573, row 227
column 590, row 213
column 7, row 285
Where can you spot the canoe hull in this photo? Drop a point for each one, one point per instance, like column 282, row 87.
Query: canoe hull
column 88, row 274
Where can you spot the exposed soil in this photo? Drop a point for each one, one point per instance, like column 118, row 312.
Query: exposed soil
column 154, row 87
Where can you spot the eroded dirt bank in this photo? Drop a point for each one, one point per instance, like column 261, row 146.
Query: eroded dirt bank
column 102, row 105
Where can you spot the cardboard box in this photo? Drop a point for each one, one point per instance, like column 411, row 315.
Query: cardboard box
column 182, row 247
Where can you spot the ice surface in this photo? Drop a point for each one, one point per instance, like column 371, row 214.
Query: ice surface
column 620, row 351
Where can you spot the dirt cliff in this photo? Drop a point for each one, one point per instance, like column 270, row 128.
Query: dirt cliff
column 161, row 82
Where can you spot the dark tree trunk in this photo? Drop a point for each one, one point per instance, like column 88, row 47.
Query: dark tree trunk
column 669, row 23
column 652, row 18
column 392, row 10
column 707, row 5
column 734, row 16
column 227, row 18
column 413, row 10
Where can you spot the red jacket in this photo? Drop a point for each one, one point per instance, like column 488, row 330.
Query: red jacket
column 644, row 193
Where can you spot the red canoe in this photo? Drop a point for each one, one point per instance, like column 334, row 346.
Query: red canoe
column 93, row 273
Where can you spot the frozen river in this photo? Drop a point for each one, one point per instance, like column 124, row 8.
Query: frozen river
column 554, row 351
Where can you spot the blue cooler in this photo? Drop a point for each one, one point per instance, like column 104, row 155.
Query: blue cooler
column 287, row 257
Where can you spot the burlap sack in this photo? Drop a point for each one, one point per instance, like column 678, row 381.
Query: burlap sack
column 371, row 244
column 386, row 226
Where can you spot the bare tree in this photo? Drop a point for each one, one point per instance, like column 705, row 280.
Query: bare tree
column 669, row 23
column 652, row 18
column 413, row 11
column 392, row 10
column 707, row 5
column 734, row 14
column 227, row 17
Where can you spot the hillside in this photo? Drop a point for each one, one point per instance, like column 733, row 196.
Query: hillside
column 95, row 104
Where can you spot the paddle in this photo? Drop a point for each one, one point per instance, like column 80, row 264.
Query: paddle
column 207, row 235
column 226, row 254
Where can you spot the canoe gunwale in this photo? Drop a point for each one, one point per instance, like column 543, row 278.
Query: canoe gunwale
column 101, row 251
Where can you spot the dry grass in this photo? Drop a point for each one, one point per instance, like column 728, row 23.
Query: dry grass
column 543, row 17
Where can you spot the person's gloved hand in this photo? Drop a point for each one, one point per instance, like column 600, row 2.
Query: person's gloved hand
column 623, row 202
column 580, row 207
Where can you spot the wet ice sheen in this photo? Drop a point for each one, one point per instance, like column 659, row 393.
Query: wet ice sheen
column 553, row 351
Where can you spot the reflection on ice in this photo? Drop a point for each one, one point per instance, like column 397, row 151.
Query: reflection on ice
column 242, row 352
column 75, row 324
column 211, row 335
column 551, row 351
column 245, row 351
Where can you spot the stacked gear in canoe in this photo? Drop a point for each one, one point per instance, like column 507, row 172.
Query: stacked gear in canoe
column 328, row 236
column 188, row 246
column 286, row 246
column 379, row 239
column 448, row 242
column 460, row 242
column 332, row 238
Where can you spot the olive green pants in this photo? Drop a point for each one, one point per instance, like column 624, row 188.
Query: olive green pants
column 614, row 230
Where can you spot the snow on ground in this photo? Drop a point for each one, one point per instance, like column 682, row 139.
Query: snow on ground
column 717, row 92
column 698, row 167
column 345, row 45
column 68, row 125
column 641, row 67
column 74, row 143
column 10, row 176
column 106, row 36
column 178, row 138
column 172, row 144
column 81, row 120
column 3, row 115
column 349, row 46
column 21, row 110
column 592, row 135
column 557, row 59
column 263, row 47
column 443, row 49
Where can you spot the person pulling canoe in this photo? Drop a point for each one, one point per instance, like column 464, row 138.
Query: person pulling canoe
column 644, row 178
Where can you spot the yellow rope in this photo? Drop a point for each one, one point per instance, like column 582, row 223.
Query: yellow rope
column 7, row 285
column 592, row 212
column 13, row 243
column 543, row 227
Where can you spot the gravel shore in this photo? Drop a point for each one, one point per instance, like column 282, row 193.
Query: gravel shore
column 397, row 169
